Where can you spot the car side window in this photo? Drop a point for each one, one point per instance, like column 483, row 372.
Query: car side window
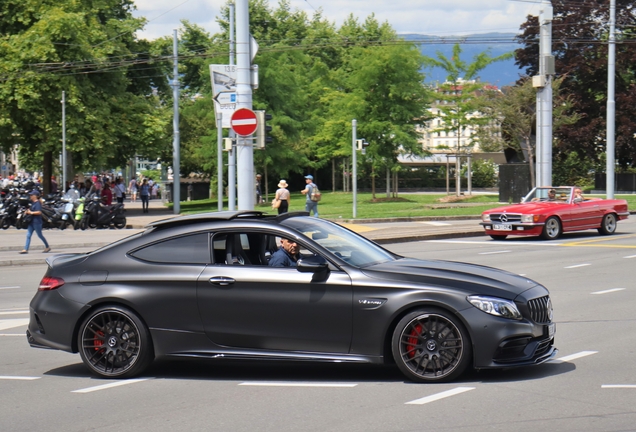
column 188, row 249
column 242, row 248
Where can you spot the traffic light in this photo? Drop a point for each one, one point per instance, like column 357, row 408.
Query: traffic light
column 362, row 145
column 262, row 129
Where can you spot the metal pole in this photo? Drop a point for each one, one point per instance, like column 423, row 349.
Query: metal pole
column 354, row 166
column 469, row 187
column 611, row 104
column 244, row 149
column 176, row 185
column 231, row 157
column 63, row 188
column 545, row 51
column 219, row 160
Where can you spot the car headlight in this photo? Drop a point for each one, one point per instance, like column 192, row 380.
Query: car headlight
column 496, row 306
column 530, row 218
column 485, row 218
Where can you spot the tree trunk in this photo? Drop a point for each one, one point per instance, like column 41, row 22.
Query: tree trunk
column 388, row 182
column 47, row 170
column 372, row 182
column 333, row 175
column 531, row 162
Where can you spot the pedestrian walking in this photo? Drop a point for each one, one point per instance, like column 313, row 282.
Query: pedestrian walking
column 282, row 197
column 132, row 188
column 144, row 194
column 312, row 194
column 35, row 212
column 120, row 190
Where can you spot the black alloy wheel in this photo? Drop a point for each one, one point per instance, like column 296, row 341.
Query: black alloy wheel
column 114, row 343
column 608, row 225
column 552, row 228
column 431, row 346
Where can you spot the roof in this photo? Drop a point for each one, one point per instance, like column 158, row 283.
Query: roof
column 223, row 215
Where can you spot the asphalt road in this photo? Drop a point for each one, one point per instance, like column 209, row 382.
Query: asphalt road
column 590, row 387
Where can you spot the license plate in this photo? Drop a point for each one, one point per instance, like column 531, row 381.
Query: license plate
column 502, row 227
column 551, row 329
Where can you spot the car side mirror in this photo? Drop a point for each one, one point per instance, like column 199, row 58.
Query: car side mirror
column 312, row 264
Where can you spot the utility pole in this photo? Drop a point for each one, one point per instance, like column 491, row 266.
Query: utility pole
column 611, row 104
column 354, row 166
column 244, row 149
column 176, row 185
column 63, row 188
column 231, row 156
column 543, row 82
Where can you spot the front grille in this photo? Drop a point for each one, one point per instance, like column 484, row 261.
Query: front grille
column 505, row 217
column 540, row 310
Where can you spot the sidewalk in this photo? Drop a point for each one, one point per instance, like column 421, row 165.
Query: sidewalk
column 77, row 241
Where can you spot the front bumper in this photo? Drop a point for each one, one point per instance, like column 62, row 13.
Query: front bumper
column 499, row 342
column 516, row 228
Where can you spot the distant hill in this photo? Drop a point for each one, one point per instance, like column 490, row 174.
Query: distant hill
column 500, row 74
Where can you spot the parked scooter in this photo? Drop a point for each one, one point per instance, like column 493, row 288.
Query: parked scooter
column 98, row 215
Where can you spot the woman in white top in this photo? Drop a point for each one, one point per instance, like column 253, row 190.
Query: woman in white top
column 282, row 194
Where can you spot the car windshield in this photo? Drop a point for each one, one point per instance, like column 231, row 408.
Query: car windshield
column 555, row 194
column 348, row 246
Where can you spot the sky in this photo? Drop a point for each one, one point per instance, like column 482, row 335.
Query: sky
column 431, row 17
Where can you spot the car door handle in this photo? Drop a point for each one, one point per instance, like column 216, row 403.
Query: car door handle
column 222, row 280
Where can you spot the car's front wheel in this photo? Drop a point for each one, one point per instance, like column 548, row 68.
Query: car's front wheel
column 608, row 225
column 431, row 346
column 551, row 229
column 114, row 343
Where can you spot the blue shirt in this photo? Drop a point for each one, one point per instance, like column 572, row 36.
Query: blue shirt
column 36, row 206
column 281, row 258
column 310, row 190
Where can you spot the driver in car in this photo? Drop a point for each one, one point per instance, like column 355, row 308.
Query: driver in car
column 287, row 256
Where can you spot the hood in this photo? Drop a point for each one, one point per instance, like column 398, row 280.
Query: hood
column 470, row 278
column 526, row 208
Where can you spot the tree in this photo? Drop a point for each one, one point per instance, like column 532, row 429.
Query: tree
column 516, row 107
column 580, row 32
column 88, row 50
column 457, row 98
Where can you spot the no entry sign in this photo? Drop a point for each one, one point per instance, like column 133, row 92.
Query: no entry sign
column 243, row 121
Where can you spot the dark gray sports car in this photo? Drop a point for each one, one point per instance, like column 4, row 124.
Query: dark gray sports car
column 201, row 286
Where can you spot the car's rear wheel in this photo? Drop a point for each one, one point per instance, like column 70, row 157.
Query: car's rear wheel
column 608, row 225
column 552, row 228
column 114, row 343
column 431, row 346
column 498, row 237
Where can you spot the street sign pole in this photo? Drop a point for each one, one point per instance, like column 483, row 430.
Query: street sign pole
column 176, row 185
column 245, row 151
column 354, row 166
column 219, row 160
column 231, row 156
column 63, row 188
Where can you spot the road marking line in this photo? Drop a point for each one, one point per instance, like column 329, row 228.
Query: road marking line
column 608, row 291
column 21, row 378
column 574, row 356
column 611, row 386
column 630, row 256
column 11, row 323
column 495, row 252
column 295, row 384
column 490, row 243
column 438, row 396
column 436, row 223
column 111, row 385
column 17, row 312
column 577, row 266
column 12, row 334
column 10, row 287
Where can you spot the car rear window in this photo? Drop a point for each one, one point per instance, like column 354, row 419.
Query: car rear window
column 189, row 249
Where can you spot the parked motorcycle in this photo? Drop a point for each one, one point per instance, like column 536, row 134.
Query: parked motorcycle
column 98, row 215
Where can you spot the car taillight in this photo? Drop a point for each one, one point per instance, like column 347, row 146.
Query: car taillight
column 50, row 283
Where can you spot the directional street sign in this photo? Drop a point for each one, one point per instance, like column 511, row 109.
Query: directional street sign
column 243, row 122
column 224, row 91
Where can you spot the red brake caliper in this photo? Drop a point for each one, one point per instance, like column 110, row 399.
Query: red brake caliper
column 98, row 342
column 412, row 340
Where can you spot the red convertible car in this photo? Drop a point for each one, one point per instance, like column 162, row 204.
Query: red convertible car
column 550, row 211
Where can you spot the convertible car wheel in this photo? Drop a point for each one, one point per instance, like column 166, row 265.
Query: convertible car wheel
column 608, row 226
column 431, row 346
column 114, row 343
column 551, row 229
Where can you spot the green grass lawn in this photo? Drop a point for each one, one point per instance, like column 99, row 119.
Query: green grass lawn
column 336, row 205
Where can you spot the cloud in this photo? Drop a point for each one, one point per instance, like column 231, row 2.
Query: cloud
column 436, row 17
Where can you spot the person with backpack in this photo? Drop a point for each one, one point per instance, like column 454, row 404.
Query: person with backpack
column 313, row 195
